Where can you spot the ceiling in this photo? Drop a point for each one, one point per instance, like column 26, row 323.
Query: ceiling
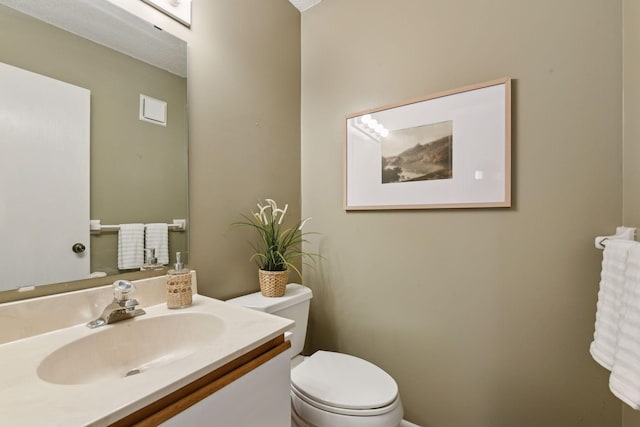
column 105, row 23
column 303, row 5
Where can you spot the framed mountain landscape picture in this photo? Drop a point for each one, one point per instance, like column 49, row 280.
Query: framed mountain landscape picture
column 447, row 150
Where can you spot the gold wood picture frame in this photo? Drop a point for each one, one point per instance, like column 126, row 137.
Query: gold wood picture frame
column 446, row 150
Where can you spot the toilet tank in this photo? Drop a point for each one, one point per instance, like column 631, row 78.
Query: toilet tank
column 293, row 305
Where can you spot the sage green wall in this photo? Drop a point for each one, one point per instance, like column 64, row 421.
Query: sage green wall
column 244, row 98
column 483, row 316
column 631, row 138
column 138, row 169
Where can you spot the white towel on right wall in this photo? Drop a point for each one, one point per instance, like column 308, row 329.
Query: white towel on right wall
column 624, row 381
column 614, row 261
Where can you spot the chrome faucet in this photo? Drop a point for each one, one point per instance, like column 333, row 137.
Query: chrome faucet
column 122, row 307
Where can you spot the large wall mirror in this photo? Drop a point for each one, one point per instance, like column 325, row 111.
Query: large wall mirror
column 137, row 168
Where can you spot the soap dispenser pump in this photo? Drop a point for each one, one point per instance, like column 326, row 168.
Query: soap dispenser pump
column 179, row 292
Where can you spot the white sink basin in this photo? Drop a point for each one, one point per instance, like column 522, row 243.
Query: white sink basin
column 76, row 376
column 130, row 347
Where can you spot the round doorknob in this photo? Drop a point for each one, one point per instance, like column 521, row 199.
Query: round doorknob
column 78, row 248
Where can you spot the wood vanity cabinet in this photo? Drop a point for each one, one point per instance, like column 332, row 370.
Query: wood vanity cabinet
column 250, row 391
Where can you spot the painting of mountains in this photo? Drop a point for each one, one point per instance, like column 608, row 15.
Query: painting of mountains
column 420, row 153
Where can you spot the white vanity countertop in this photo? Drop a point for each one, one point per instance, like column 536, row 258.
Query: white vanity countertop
column 27, row 400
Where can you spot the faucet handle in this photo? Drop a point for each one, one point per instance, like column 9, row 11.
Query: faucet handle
column 122, row 289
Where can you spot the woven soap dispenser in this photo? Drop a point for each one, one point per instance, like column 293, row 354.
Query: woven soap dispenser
column 179, row 286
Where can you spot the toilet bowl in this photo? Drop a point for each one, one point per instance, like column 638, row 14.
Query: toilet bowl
column 335, row 389
column 329, row 389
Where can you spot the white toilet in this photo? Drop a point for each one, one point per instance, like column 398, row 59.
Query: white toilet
column 329, row 389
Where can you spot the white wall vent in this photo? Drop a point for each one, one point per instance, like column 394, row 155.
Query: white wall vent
column 153, row 110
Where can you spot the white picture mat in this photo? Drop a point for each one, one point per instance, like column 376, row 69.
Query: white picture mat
column 479, row 123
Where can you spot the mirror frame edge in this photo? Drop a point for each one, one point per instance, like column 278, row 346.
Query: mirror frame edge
column 15, row 295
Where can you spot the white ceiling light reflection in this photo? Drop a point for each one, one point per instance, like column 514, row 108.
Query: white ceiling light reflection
column 371, row 127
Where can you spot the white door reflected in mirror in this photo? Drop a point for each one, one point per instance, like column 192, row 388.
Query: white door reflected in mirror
column 44, row 179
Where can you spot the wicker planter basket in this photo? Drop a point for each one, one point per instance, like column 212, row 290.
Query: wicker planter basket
column 273, row 283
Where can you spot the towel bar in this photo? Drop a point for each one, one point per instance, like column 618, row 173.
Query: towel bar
column 96, row 227
column 626, row 233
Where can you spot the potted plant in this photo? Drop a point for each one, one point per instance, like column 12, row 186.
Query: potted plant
column 277, row 246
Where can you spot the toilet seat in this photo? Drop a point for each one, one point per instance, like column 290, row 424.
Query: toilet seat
column 333, row 383
column 372, row 412
column 305, row 415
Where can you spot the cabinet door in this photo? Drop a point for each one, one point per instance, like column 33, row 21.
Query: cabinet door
column 258, row 399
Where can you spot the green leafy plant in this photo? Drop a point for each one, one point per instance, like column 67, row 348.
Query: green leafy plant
column 277, row 245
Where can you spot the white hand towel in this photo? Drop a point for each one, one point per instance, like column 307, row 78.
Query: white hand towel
column 130, row 246
column 157, row 237
column 624, row 381
column 612, row 279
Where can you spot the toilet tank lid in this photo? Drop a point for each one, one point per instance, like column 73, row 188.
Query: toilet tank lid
column 294, row 294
